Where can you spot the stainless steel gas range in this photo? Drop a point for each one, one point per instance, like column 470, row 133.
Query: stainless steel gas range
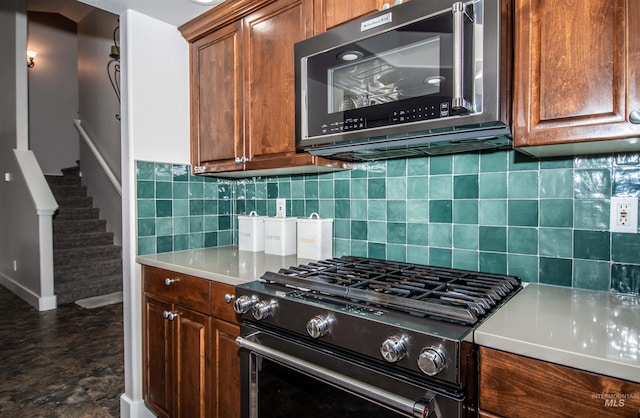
column 360, row 337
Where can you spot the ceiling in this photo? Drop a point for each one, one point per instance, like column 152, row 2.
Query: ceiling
column 173, row 12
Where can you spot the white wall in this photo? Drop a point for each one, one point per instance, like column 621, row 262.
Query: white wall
column 53, row 91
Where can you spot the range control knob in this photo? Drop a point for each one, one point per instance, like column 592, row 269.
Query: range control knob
column 243, row 304
column 393, row 349
column 319, row 326
column 263, row 309
column 431, row 361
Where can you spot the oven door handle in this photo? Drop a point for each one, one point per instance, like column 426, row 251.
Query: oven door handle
column 423, row 408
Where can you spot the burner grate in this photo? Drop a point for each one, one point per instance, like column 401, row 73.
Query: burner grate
column 449, row 294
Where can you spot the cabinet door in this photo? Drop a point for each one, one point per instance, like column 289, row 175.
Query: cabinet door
column 217, row 137
column 157, row 356
column 192, row 364
column 576, row 75
column 226, row 360
column 331, row 13
column 270, row 34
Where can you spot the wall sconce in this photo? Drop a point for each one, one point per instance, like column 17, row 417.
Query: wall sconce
column 31, row 55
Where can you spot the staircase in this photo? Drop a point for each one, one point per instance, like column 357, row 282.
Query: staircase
column 86, row 262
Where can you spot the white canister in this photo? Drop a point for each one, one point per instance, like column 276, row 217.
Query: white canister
column 315, row 237
column 251, row 232
column 280, row 236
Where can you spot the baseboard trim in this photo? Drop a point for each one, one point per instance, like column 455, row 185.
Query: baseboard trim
column 38, row 302
column 133, row 409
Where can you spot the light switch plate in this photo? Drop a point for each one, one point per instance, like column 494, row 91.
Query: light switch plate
column 624, row 214
column 281, row 208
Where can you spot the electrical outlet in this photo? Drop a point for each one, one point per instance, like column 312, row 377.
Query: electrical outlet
column 281, row 208
column 624, row 214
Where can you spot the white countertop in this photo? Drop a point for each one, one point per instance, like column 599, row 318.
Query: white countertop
column 593, row 331
column 223, row 264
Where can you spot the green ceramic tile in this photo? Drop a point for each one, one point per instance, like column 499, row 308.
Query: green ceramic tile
column 591, row 214
column 417, row 211
column 145, row 170
column 313, row 206
column 626, row 159
column 465, row 187
column 181, row 225
column 164, row 190
column 397, row 210
column 522, row 240
column 284, row 189
column 465, row 236
column 492, row 212
column 180, row 242
column 359, row 230
column 196, row 224
column 326, row 189
column 494, row 161
column 311, row 190
column 522, row 185
column 298, row 189
column 146, row 227
column 376, row 250
column 164, row 244
column 180, row 207
column 592, row 184
column 180, row 190
column 146, row 245
column 418, row 166
column 163, row 172
column 224, row 222
column 556, row 213
column 593, row 161
column 493, row 186
column 210, row 223
column 417, row 234
column 418, row 255
column 556, row 184
column 196, row 190
column 493, row 238
column 196, row 207
column 440, row 235
column 145, row 189
column 377, row 231
column 520, row 162
column 593, row 275
column 440, row 257
column 377, row 210
column 594, row 245
column 523, row 266
column 224, row 207
column 377, row 188
column 211, row 207
column 181, row 172
column 359, row 248
column 396, row 188
column 396, row 232
column 377, row 169
column 210, row 239
column 164, row 226
column 523, row 212
column 397, row 168
column 466, row 163
column 195, row 179
column 163, row 208
column 272, row 190
column 465, row 211
column 417, row 187
column 326, row 208
column 625, row 248
column 626, row 182
column 297, row 207
column 225, row 238
column 345, row 174
column 396, row 252
column 196, row 240
column 146, row 208
column 440, row 211
column 559, row 162
column 493, row 263
column 359, row 172
column 441, row 187
column 556, row 271
column 341, row 247
column 343, row 208
column 210, row 189
column 465, row 260
column 359, row 189
column 261, row 191
column 342, row 228
column 555, row 242
column 625, row 278
column 442, row 164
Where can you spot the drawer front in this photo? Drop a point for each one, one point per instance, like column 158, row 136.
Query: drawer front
column 182, row 289
column 222, row 298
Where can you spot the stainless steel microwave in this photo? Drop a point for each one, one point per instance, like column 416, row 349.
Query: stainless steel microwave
column 422, row 78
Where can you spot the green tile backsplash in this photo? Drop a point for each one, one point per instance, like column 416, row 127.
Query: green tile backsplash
column 546, row 220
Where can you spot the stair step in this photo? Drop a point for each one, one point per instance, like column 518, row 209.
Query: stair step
column 67, row 190
column 86, row 271
column 71, row 291
column 85, row 239
column 61, row 180
column 75, row 201
column 70, row 256
column 71, row 171
column 66, row 213
column 78, row 225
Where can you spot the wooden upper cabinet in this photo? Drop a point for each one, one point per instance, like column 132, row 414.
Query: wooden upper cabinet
column 576, row 72
column 331, row 13
column 217, row 137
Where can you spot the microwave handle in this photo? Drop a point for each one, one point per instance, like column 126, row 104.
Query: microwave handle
column 459, row 102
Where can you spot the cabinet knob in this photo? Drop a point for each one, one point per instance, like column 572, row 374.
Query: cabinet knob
column 169, row 315
column 168, row 281
column 634, row 116
column 228, row 298
column 241, row 160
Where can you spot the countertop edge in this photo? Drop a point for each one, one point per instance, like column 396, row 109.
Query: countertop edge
column 203, row 274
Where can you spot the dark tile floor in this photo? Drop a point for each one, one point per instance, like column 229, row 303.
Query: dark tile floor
column 65, row 363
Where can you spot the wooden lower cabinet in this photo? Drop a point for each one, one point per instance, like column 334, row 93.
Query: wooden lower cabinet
column 518, row 386
column 191, row 361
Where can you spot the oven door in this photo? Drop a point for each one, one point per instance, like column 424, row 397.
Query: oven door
column 285, row 377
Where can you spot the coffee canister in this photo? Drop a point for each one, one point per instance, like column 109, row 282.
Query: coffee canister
column 251, row 232
column 280, row 236
column 315, row 237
